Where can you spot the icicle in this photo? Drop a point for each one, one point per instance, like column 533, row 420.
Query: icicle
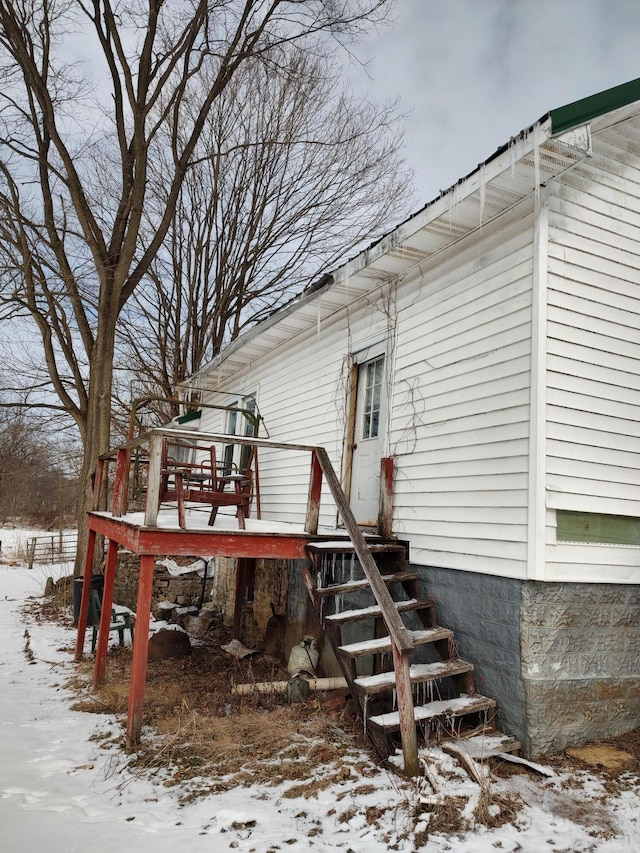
column 512, row 156
column 319, row 318
column 536, row 171
column 365, row 713
column 483, row 190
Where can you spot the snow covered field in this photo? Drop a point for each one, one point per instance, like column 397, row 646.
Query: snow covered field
column 61, row 791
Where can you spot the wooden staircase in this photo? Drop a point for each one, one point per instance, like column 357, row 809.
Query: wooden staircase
column 443, row 700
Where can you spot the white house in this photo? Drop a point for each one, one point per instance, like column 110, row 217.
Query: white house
column 489, row 345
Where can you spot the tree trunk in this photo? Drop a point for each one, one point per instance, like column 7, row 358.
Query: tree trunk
column 97, row 439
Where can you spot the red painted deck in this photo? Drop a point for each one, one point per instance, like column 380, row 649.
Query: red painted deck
column 157, row 531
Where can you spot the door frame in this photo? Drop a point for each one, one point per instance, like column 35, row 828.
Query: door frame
column 366, row 351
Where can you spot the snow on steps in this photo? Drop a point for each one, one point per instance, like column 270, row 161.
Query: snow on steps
column 441, row 709
column 383, row 644
column 419, row 674
column 374, row 611
column 355, row 586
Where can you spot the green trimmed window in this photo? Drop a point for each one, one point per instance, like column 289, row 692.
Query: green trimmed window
column 597, row 527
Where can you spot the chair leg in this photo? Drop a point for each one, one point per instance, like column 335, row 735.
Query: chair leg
column 212, row 517
column 180, row 496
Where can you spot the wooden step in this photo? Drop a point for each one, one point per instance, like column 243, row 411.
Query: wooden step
column 420, row 673
column 442, row 709
column 374, row 611
column 344, row 546
column 383, row 644
column 363, row 583
column 482, row 747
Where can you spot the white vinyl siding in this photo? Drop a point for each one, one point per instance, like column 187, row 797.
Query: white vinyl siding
column 460, row 430
column 593, row 366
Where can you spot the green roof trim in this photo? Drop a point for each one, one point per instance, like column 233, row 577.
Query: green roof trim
column 580, row 112
column 190, row 416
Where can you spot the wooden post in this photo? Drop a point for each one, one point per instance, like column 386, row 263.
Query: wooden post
column 405, row 712
column 385, row 511
column 105, row 615
column 140, row 650
column 86, row 592
column 98, row 479
column 153, row 482
column 315, row 491
column 120, row 482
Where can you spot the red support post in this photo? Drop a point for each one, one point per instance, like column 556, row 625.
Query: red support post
column 315, row 491
column 140, row 650
column 105, row 615
column 86, row 592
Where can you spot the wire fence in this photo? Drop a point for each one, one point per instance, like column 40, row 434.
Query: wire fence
column 52, row 548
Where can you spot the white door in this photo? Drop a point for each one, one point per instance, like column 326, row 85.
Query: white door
column 368, row 444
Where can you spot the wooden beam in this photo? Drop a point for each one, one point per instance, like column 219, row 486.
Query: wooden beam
column 86, row 592
column 120, row 483
column 385, row 510
column 140, row 651
column 315, row 492
column 105, row 615
column 153, row 482
column 405, row 712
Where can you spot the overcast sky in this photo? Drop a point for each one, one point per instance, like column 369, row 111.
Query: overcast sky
column 473, row 73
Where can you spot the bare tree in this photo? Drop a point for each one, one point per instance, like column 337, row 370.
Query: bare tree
column 77, row 137
column 290, row 174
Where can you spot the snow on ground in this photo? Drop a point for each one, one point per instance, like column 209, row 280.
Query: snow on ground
column 60, row 791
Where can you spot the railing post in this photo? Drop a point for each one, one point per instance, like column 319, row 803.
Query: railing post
column 385, row 511
column 406, row 713
column 120, row 485
column 153, row 481
column 315, row 491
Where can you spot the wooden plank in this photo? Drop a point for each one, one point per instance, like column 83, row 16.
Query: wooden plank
column 404, row 698
column 120, row 484
column 443, row 709
column 354, row 586
column 375, row 611
column 140, row 651
column 420, row 673
column 385, row 513
column 382, row 645
column 153, row 482
column 315, row 492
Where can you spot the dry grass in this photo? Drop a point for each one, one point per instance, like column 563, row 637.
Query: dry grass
column 200, row 735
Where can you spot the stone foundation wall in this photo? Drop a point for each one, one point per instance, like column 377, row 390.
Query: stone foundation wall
column 580, row 662
column 184, row 590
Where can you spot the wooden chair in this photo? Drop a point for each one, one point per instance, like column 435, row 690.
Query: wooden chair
column 202, row 482
column 120, row 622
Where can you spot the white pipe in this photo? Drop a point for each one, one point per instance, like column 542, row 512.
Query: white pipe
column 336, row 683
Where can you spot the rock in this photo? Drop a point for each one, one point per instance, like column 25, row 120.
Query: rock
column 169, row 644
column 198, row 625
column 298, row 689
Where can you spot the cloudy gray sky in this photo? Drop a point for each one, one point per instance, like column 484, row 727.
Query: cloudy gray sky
column 476, row 72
